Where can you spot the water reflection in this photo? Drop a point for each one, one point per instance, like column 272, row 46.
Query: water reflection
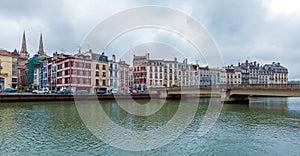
column 269, row 103
column 267, row 126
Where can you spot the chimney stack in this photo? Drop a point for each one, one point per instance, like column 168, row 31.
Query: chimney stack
column 247, row 63
column 254, row 63
column 114, row 58
column 239, row 64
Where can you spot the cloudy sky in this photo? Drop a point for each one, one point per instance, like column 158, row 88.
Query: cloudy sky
column 262, row 30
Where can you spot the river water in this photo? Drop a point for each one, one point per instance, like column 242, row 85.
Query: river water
column 267, row 126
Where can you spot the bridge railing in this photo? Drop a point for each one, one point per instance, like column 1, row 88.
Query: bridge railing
column 238, row 86
column 264, row 86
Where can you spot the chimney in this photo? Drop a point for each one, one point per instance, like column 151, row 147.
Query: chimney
column 148, row 56
column 239, row 64
column 185, row 61
column 175, row 59
column 257, row 64
column 247, row 63
column 254, row 63
column 55, row 55
column 114, row 58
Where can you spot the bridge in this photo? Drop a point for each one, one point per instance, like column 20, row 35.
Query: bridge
column 232, row 93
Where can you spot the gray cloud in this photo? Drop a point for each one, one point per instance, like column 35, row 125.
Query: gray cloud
column 242, row 29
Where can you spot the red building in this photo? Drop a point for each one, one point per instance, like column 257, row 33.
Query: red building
column 140, row 72
column 72, row 72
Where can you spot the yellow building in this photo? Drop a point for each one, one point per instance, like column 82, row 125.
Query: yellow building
column 171, row 73
column 6, row 61
column 100, row 73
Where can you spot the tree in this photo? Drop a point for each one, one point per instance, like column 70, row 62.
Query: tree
column 31, row 63
column 20, row 87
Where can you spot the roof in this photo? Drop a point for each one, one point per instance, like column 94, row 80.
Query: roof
column 276, row 67
column 5, row 52
column 139, row 57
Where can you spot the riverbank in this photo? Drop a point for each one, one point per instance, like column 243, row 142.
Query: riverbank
column 56, row 97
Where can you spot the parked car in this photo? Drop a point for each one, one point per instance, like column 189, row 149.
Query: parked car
column 101, row 92
column 82, row 92
column 9, row 90
column 114, row 91
column 64, row 91
column 41, row 91
column 134, row 92
column 141, row 91
column 53, row 91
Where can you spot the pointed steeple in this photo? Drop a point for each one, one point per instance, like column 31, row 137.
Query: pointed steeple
column 23, row 51
column 41, row 46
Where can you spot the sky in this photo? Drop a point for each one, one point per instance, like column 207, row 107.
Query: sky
column 263, row 30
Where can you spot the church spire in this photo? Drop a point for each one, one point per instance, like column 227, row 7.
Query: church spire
column 41, row 46
column 23, row 51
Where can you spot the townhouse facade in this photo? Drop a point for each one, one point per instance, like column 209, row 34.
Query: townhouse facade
column 123, row 78
column 155, row 70
column 73, row 73
column 140, row 72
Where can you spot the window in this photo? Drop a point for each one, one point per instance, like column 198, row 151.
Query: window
column 103, row 67
column 59, row 73
column 67, row 80
column 66, row 72
column 97, row 73
column 97, row 82
column 103, row 74
column 14, row 79
column 81, row 65
column 97, row 66
column 88, row 65
column 75, row 80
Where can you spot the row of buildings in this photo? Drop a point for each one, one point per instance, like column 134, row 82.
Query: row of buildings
column 94, row 71
column 160, row 73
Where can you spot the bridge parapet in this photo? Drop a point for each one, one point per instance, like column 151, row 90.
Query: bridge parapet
column 236, row 86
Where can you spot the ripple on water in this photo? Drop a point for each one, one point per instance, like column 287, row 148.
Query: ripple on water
column 56, row 129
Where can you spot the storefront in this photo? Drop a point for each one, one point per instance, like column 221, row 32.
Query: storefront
column 1, row 83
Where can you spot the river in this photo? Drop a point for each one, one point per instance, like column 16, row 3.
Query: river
column 267, row 126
